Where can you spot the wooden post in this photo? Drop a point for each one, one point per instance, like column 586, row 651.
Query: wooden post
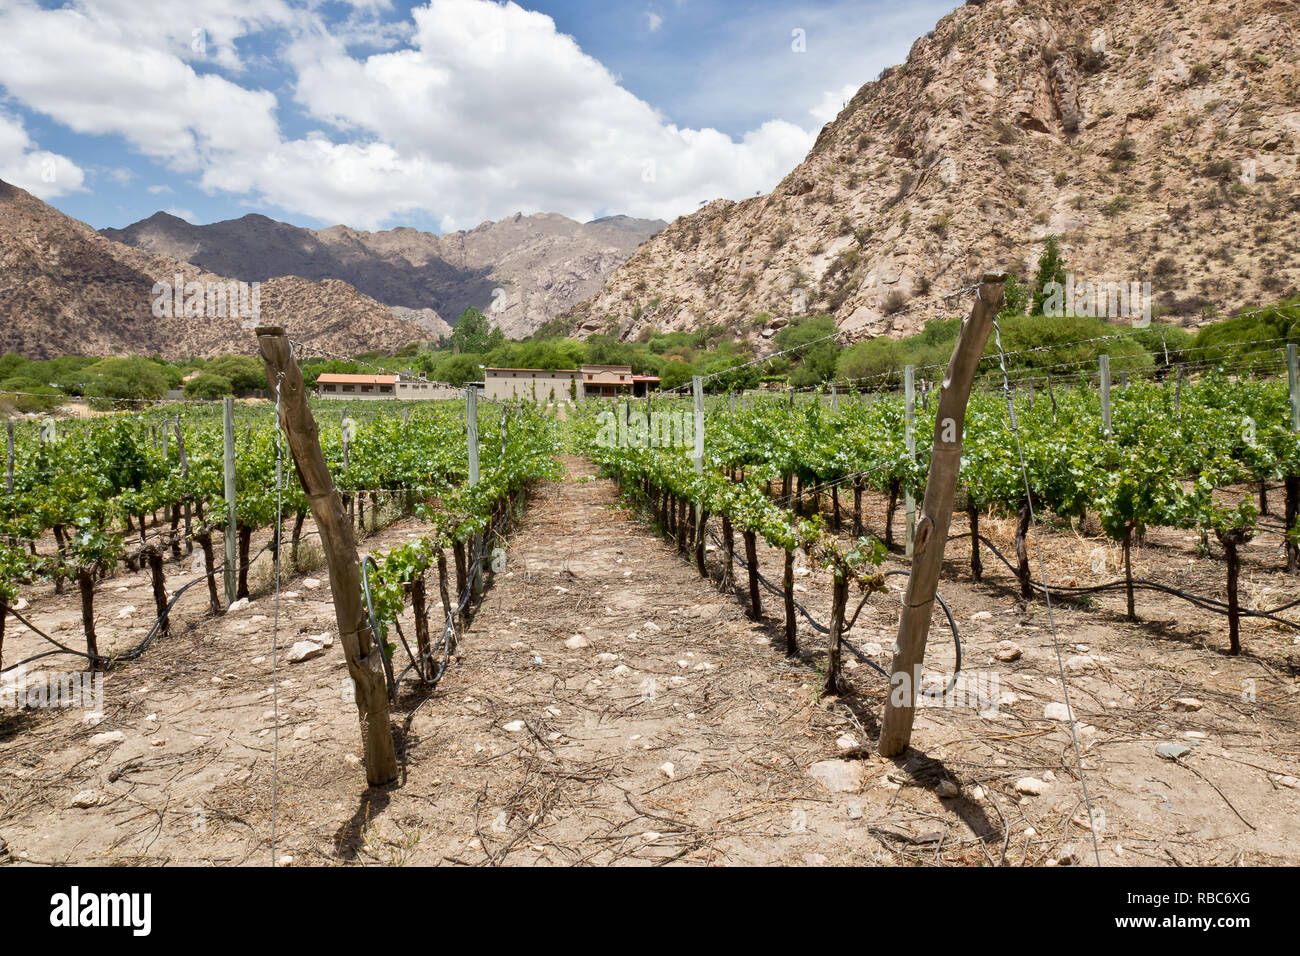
column 697, row 387
column 184, row 459
column 9, row 464
column 1105, row 394
column 932, row 531
column 1293, row 377
column 909, row 439
column 1178, row 394
column 362, row 653
column 228, row 441
column 471, row 442
column 835, row 400
column 1051, row 397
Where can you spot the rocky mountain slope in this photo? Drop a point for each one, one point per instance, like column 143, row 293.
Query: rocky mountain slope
column 65, row 289
column 523, row 270
column 1157, row 139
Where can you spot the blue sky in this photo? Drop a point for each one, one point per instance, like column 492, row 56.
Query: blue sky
column 437, row 114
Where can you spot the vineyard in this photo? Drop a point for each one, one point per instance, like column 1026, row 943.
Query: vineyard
column 662, row 628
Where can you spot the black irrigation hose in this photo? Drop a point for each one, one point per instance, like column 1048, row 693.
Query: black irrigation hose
column 136, row 651
column 1205, row 603
column 780, row 592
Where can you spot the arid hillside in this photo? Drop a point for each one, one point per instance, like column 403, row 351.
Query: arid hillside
column 523, row 270
column 65, row 289
column 1157, row 139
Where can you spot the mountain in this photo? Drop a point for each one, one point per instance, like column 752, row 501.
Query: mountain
column 1157, row 140
column 523, row 270
column 65, row 289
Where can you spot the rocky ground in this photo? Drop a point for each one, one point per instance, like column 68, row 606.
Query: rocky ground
column 609, row 705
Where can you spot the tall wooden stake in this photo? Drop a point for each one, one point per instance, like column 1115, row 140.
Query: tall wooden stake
column 9, row 466
column 909, row 439
column 471, row 438
column 228, row 440
column 1293, row 377
column 1105, row 394
column 932, row 530
column 362, row 652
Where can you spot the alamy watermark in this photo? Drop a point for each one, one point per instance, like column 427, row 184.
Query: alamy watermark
column 208, row 300
column 665, row 428
column 1110, row 300
column 53, row 691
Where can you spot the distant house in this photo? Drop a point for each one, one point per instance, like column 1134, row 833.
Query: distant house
column 335, row 385
column 611, row 381
column 532, row 384
column 365, row 387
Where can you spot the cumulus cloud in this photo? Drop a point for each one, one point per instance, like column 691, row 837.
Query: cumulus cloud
column 482, row 109
column 40, row 172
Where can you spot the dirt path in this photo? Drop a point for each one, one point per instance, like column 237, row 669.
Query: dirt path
column 608, row 705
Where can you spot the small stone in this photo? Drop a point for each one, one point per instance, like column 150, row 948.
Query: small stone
column 871, row 649
column 1068, row 856
column 1288, row 781
column 847, row 742
column 855, row 811
column 982, row 616
column 514, row 727
column 352, row 759
column 311, row 584
column 93, row 719
column 622, row 670
column 815, row 859
column 107, row 739
column 606, row 657
column 302, row 733
column 1081, row 664
column 258, row 660
column 1057, row 711
column 652, row 626
column 158, row 742
column 1006, row 651
column 948, row 790
column 577, row 643
column 126, row 612
column 286, row 861
column 304, row 651
column 85, row 799
column 1031, row 786
column 668, row 770
column 650, row 836
column 1172, row 751
column 837, row 776
column 258, row 619
column 1187, row 704
column 241, row 605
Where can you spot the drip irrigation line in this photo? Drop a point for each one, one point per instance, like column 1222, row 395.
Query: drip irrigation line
column 822, row 629
column 1142, row 584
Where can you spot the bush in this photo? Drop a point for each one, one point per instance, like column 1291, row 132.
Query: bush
column 675, row 374
column 208, row 385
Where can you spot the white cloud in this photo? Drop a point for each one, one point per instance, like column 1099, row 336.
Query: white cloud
column 653, row 20
column 185, row 214
column 832, row 103
column 40, row 172
column 485, row 109
column 159, row 189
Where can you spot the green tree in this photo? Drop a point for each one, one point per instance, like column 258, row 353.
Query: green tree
column 244, row 372
column 125, row 378
column 208, row 385
column 1051, row 268
column 473, row 333
column 676, row 373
